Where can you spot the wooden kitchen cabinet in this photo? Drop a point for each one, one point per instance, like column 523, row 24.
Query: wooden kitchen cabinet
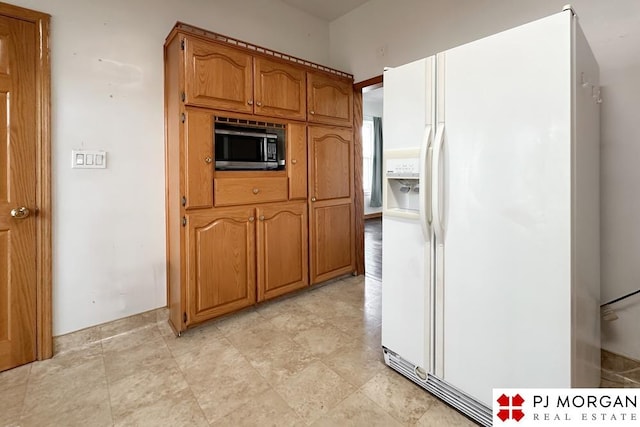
column 329, row 99
column 236, row 238
column 297, row 160
column 217, row 76
column 330, row 163
column 279, row 89
column 230, row 248
column 231, row 190
column 282, row 247
column 331, row 222
column 225, row 78
column 221, row 262
column 198, row 159
column 331, row 229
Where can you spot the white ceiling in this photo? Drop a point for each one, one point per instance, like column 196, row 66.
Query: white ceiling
column 325, row 9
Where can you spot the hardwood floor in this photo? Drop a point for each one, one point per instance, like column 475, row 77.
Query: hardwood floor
column 373, row 248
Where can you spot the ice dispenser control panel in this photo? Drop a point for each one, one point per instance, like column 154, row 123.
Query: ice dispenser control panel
column 403, row 168
column 401, row 195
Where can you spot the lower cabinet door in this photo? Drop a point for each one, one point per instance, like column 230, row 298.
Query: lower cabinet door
column 331, row 232
column 282, row 249
column 221, row 262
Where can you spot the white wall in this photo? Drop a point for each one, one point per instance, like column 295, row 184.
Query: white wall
column 389, row 33
column 107, row 93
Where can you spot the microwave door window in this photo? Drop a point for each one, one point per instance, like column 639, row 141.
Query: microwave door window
column 239, row 149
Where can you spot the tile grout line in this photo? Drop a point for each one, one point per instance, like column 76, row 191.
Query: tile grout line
column 182, row 374
column 106, row 380
column 24, row 397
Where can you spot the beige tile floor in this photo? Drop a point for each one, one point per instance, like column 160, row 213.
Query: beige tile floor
column 310, row 359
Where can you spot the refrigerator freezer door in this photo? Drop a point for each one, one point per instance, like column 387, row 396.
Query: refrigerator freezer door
column 507, row 210
column 406, row 325
column 405, row 294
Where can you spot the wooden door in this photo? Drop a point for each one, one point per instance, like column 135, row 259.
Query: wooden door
column 217, row 76
column 332, row 239
column 280, row 89
column 282, row 249
column 18, row 243
column 331, row 219
column 329, row 99
column 221, row 262
column 297, row 160
column 330, row 162
column 198, row 159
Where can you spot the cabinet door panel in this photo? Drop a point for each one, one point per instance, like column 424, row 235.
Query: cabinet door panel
column 329, row 100
column 331, row 163
column 218, row 77
column 297, row 160
column 199, row 160
column 221, row 247
column 332, row 249
column 282, row 249
column 280, row 89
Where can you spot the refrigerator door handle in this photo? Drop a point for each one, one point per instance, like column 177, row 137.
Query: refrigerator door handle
column 437, row 187
column 425, row 183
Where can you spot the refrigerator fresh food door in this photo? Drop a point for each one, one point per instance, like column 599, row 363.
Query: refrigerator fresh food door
column 406, row 232
column 506, row 210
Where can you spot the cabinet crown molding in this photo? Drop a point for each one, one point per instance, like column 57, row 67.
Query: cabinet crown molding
column 181, row 27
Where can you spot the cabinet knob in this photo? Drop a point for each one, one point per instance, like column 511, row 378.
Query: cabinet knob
column 250, row 102
column 208, row 159
column 261, row 218
column 312, row 112
column 251, row 219
column 259, row 104
column 294, row 161
column 256, row 191
column 313, row 199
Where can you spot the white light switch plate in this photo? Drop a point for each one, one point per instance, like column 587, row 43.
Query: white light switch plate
column 88, row 159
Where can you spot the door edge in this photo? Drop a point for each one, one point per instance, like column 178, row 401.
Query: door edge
column 44, row 324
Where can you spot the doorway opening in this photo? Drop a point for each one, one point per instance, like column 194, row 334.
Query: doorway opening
column 368, row 129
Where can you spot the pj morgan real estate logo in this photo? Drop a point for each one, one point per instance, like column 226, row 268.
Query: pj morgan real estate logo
column 591, row 407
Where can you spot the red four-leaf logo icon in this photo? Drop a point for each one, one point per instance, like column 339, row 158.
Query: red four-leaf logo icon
column 510, row 407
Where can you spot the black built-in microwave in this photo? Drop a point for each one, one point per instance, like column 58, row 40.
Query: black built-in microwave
column 248, row 148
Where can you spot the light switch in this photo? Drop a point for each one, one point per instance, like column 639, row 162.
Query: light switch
column 88, row 159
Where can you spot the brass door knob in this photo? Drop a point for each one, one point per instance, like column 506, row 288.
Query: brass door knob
column 256, row 191
column 261, row 218
column 20, row 213
column 251, row 219
column 250, row 102
column 208, row 159
column 259, row 104
column 294, row 161
column 312, row 112
column 313, row 199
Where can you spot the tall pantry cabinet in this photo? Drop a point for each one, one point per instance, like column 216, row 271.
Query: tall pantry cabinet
column 239, row 237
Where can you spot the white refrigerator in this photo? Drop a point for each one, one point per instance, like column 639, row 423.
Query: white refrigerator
column 490, row 259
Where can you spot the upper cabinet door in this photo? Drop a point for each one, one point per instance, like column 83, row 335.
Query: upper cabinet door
column 330, row 163
column 329, row 100
column 217, row 76
column 279, row 89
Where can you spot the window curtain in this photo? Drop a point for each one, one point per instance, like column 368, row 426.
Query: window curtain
column 376, row 170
